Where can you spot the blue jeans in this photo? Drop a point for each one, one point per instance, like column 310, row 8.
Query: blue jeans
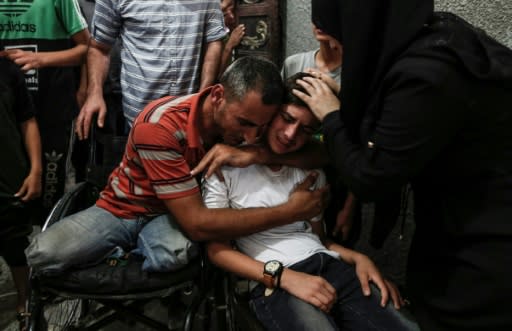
column 352, row 311
column 89, row 236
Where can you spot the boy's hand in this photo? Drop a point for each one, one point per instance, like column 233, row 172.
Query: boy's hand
column 305, row 202
column 31, row 188
column 236, row 36
column 27, row 60
column 312, row 289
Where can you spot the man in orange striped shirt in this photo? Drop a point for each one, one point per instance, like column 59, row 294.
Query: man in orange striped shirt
column 152, row 205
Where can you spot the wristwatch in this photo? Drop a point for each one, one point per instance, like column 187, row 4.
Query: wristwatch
column 272, row 274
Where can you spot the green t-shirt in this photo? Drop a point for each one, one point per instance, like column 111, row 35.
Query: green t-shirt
column 43, row 26
column 40, row 19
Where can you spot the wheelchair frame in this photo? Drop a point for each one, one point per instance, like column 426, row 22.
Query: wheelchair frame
column 119, row 304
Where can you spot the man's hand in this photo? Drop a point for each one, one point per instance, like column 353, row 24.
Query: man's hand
column 221, row 154
column 312, row 289
column 307, row 203
column 93, row 104
column 27, row 60
column 367, row 272
column 31, row 188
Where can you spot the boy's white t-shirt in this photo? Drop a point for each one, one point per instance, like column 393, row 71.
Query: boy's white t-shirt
column 260, row 186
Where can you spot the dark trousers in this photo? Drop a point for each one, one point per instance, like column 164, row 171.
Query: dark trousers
column 352, row 311
column 15, row 226
column 55, row 143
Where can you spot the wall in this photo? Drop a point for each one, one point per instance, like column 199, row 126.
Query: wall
column 494, row 16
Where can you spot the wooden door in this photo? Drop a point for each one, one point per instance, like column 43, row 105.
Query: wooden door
column 262, row 29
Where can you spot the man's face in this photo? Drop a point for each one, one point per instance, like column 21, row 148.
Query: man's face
column 291, row 128
column 245, row 120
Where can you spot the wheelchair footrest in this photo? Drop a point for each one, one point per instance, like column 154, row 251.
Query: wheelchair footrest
column 120, row 279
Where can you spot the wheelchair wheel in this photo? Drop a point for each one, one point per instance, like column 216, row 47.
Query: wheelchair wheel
column 245, row 320
column 239, row 316
column 61, row 314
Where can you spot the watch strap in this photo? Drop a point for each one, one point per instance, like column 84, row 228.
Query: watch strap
column 268, row 281
column 278, row 276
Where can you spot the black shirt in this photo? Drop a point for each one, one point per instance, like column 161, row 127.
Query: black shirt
column 15, row 107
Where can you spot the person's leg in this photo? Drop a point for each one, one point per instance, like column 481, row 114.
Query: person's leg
column 12, row 251
column 80, row 239
column 353, row 310
column 20, row 279
column 365, row 313
column 283, row 311
column 15, row 228
column 164, row 246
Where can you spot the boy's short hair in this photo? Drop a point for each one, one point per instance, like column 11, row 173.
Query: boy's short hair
column 292, row 99
column 290, row 85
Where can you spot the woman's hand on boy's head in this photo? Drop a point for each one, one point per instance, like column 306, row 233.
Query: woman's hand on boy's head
column 319, row 97
column 333, row 84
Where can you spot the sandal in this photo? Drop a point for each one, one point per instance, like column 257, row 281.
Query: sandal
column 21, row 317
column 118, row 260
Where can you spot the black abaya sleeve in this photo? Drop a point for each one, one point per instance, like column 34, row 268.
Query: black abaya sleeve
column 419, row 115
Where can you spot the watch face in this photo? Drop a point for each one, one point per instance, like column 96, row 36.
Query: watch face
column 272, row 266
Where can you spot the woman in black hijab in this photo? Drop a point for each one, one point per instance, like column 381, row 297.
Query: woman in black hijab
column 427, row 99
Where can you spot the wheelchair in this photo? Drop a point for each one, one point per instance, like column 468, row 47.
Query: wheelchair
column 90, row 298
column 94, row 297
column 238, row 314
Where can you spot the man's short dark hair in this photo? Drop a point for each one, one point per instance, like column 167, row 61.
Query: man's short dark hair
column 252, row 73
